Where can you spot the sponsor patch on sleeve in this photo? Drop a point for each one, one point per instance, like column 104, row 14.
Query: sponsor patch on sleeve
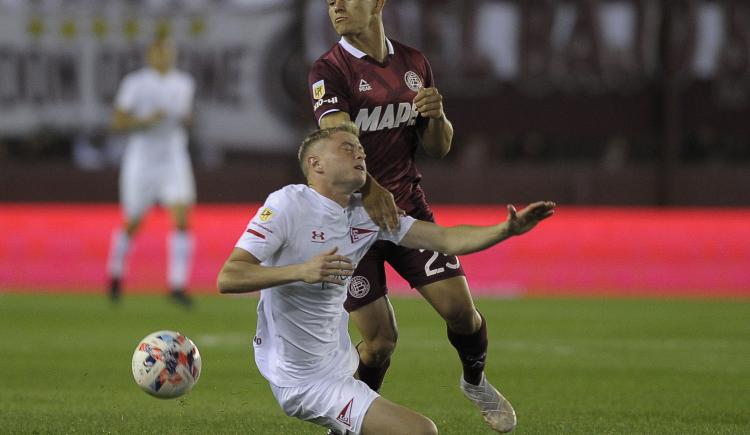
column 265, row 215
column 318, row 89
column 332, row 100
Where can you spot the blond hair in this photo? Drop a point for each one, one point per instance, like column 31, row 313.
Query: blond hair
column 316, row 136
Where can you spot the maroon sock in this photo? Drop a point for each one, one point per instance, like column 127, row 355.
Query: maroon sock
column 472, row 350
column 373, row 376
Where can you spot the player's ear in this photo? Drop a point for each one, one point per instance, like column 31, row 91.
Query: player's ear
column 314, row 163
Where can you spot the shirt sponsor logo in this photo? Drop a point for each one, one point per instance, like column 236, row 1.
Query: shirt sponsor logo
column 392, row 116
column 412, row 81
column 318, row 237
column 266, row 214
column 332, row 100
column 357, row 234
column 345, row 416
column 364, row 86
column 319, row 89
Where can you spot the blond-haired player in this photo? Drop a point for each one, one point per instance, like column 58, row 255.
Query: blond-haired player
column 300, row 250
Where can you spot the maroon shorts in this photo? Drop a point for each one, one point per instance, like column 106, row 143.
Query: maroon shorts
column 418, row 267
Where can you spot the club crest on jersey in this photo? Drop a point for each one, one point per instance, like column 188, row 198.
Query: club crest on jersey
column 364, row 86
column 412, row 81
column 345, row 416
column 357, row 234
column 319, row 89
column 266, row 214
column 318, row 237
column 358, row 287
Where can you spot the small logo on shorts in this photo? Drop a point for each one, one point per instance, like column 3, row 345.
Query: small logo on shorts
column 318, row 237
column 358, row 287
column 412, row 81
column 345, row 416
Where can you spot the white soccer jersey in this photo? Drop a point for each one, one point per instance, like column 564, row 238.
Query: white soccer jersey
column 302, row 332
column 156, row 165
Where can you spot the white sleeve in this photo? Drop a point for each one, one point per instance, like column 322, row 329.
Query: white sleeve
column 126, row 94
column 267, row 231
column 396, row 236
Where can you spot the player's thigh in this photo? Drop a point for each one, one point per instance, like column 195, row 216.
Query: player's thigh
column 386, row 417
column 440, row 279
column 138, row 192
column 177, row 186
column 376, row 321
column 452, row 299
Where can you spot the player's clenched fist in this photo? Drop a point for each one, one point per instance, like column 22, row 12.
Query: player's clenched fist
column 429, row 103
column 327, row 267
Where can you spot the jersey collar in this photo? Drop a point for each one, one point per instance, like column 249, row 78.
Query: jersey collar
column 359, row 54
column 329, row 204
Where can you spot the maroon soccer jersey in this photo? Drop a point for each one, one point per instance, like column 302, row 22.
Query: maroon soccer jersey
column 378, row 98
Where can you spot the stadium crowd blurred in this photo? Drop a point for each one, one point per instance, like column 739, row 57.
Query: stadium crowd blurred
column 587, row 85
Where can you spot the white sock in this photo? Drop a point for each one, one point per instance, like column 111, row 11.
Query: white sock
column 180, row 247
column 118, row 253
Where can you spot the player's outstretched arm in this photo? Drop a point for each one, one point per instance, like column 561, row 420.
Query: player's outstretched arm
column 243, row 273
column 465, row 239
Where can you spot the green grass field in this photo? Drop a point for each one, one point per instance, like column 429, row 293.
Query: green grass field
column 573, row 366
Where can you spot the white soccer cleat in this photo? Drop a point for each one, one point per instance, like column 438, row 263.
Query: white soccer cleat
column 496, row 410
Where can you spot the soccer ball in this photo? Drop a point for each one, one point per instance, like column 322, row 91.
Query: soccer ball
column 166, row 364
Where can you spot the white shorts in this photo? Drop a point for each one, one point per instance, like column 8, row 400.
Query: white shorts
column 336, row 403
column 145, row 183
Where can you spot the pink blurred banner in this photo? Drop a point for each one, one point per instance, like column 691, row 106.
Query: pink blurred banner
column 580, row 251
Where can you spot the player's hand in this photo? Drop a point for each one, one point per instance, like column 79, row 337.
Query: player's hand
column 523, row 221
column 429, row 103
column 381, row 206
column 154, row 119
column 327, row 267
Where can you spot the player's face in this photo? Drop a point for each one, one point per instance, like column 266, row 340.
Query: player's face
column 161, row 56
column 345, row 160
column 350, row 17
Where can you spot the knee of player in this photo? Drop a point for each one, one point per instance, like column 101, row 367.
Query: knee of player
column 383, row 347
column 462, row 318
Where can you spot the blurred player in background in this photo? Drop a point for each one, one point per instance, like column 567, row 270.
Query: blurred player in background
column 154, row 106
column 300, row 249
column 388, row 90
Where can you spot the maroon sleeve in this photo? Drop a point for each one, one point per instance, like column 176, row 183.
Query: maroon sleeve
column 429, row 83
column 429, row 78
column 328, row 89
